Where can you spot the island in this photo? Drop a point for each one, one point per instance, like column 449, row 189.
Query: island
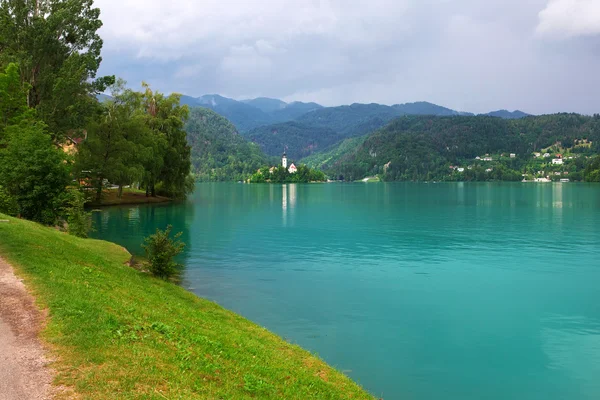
column 287, row 174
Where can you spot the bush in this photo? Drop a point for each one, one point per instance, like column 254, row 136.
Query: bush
column 34, row 173
column 8, row 205
column 161, row 251
column 79, row 221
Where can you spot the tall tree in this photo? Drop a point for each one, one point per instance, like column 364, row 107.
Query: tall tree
column 13, row 103
column 56, row 45
column 166, row 117
column 115, row 149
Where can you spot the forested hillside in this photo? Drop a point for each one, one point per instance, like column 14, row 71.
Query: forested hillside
column 297, row 139
column 219, row 153
column 423, row 148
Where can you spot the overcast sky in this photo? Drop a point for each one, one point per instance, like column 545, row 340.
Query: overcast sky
column 540, row 56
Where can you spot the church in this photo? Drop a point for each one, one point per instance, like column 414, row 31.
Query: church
column 284, row 163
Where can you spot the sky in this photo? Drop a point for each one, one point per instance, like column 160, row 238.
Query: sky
column 539, row 56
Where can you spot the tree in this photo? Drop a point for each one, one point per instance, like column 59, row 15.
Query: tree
column 166, row 117
column 56, row 45
column 34, row 172
column 161, row 251
column 116, row 146
column 592, row 171
column 79, row 221
column 13, row 104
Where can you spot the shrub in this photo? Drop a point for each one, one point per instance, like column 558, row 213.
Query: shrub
column 8, row 205
column 161, row 251
column 79, row 221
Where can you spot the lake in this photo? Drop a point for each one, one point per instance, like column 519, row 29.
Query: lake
column 416, row 291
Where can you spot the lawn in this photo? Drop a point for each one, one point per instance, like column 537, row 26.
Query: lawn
column 119, row 333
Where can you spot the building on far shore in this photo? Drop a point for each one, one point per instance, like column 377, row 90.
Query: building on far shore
column 292, row 169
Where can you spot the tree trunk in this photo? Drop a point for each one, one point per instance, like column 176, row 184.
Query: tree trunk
column 120, row 192
column 99, row 189
column 153, row 191
column 147, row 190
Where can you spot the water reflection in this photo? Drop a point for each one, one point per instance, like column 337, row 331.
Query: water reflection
column 128, row 225
column 288, row 203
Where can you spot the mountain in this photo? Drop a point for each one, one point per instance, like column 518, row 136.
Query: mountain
column 352, row 120
column 423, row 147
column 507, row 114
column 424, row 108
column 297, row 139
column 249, row 114
column 294, row 110
column 266, row 104
column 218, row 151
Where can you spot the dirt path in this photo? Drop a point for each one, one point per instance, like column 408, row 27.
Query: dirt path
column 23, row 367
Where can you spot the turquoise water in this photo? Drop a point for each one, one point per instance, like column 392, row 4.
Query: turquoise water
column 417, row 291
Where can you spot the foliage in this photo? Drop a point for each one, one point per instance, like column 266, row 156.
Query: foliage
column 8, row 204
column 33, row 172
column 297, row 139
column 79, row 221
column 323, row 159
column 137, row 137
column 117, row 330
column 13, row 104
column 57, row 48
column 219, row 153
column 161, row 251
column 592, row 171
column 424, row 147
column 280, row 174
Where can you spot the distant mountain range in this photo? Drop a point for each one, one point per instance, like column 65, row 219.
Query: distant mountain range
column 253, row 113
column 250, row 114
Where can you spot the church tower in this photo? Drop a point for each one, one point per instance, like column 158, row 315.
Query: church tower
column 284, row 160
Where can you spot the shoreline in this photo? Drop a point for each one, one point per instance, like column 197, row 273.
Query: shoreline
column 107, row 321
column 129, row 197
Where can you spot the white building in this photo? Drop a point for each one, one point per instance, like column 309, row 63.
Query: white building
column 292, row 169
column 460, row 169
column 546, row 155
column 488, row 159
column 513, row 155
column 557, row 161
column 284, row 160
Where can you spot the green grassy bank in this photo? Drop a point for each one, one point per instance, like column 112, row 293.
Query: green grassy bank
column 119, row 333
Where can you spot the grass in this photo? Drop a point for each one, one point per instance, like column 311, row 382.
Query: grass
column 129, row 196
column 119, row 333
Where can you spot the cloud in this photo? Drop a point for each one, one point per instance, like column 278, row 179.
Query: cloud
column 466, row 54
column 570, row 18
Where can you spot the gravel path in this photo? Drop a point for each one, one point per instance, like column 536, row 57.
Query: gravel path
column 23, row 367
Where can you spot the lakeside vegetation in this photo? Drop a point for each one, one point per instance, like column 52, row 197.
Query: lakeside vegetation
column 303, row 174
column 119, row 332
column 56, row 138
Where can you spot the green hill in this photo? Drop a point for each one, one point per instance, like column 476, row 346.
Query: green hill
column 297, row 139
column 219, row 153
column 119, row 333
column 423, row 147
